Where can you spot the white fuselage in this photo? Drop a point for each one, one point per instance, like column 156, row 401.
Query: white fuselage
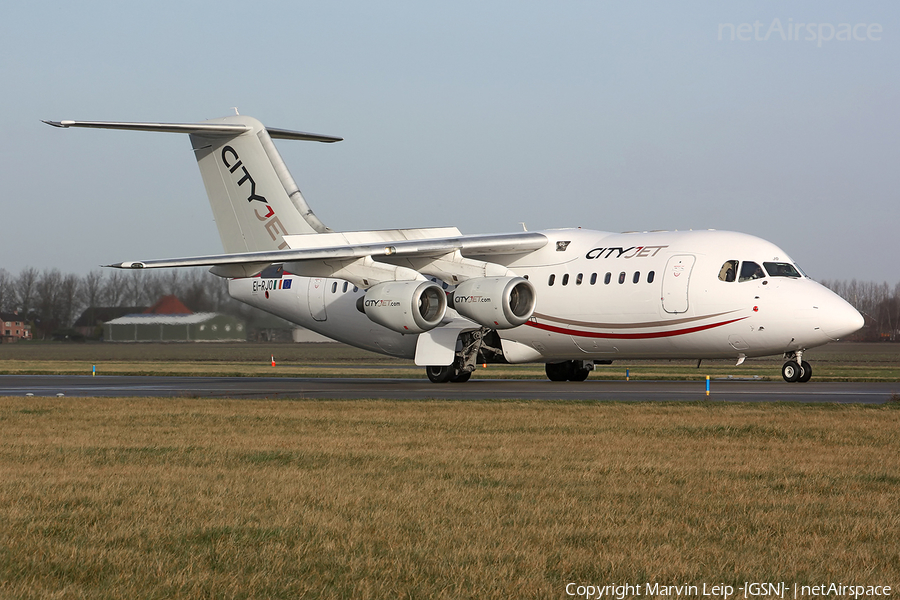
column 605, row 296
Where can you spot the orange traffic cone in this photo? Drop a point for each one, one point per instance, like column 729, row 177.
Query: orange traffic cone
column 273, row 360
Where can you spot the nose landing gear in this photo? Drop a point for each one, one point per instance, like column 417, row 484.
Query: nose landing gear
column 796, row 369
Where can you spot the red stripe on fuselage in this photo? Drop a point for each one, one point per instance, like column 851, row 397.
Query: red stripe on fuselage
column 629, row 336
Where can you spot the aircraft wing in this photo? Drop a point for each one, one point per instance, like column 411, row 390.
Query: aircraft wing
column 472, row 245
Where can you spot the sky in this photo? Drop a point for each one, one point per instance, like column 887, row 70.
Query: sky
column 615, row 116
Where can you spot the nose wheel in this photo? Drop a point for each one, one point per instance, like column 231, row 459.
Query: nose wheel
column 796, row 369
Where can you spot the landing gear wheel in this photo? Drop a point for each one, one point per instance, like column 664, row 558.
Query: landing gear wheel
column 441, row 374
column 557, row 371
column 792, row 372
column 805, row 372
column 569, row 370
column 577, row 374
column 461, row 377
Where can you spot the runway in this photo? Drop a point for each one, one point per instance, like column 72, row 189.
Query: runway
column 728, row 390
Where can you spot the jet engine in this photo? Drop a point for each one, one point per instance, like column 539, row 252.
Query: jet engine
column 495, row 302
column 405, row 306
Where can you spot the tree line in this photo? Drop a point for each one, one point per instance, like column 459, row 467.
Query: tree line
column 51, row 301
column 879, row 303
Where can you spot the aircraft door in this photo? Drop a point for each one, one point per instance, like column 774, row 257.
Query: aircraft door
column 675, row 283
column 316, row 298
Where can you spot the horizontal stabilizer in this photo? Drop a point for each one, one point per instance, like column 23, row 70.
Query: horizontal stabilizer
column 205, row 129
column 287, row 134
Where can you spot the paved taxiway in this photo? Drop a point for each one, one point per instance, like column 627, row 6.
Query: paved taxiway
column 414, row 389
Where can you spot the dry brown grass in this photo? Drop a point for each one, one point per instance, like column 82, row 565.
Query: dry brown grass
column 157, row 498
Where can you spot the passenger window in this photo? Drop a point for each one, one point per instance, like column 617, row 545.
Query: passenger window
column 607, row 279
column 552, row 279
column 565, row 280
column 650, row 276
column 750, row 271
column 355, row 289
column 637, row 277
column 578, row 279
column 344, row 290
column 593, row 278
column 726, row 273
column 781, row 270
column 524, row 276
column 334, row 287
column 622, row 277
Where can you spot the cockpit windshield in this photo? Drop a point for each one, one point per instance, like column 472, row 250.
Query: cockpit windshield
column 750, row 270
column 726, row 273
column 780, row 269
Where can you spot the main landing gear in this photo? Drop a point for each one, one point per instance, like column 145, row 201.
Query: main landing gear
column 796, row 369
column 450, row 373
column 570, row 370
column 473, row 347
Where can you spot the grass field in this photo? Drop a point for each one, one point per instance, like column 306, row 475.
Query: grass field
column 181, row 498
column 836, row 362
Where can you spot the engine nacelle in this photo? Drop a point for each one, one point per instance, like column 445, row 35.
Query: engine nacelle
column 495, row 302
column 405, row 306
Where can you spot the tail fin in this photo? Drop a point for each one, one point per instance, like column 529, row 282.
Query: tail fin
column 254, row 199
column 253, row 196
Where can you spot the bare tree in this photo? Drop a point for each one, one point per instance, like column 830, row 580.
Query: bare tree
column 889, row 312
column 895, row 313
column 7, row 292
column 155, row 285
column 25, row 290
column 114, row 289
column 47, row 304
column 195, row 293
column 218, row 289
column 172, row 280
column 67, row 299
column 134, row 288
column 90, row 289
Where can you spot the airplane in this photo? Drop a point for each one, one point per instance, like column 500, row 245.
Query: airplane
column 569, row 298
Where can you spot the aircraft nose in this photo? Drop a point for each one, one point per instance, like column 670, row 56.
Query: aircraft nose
column 842, row 319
